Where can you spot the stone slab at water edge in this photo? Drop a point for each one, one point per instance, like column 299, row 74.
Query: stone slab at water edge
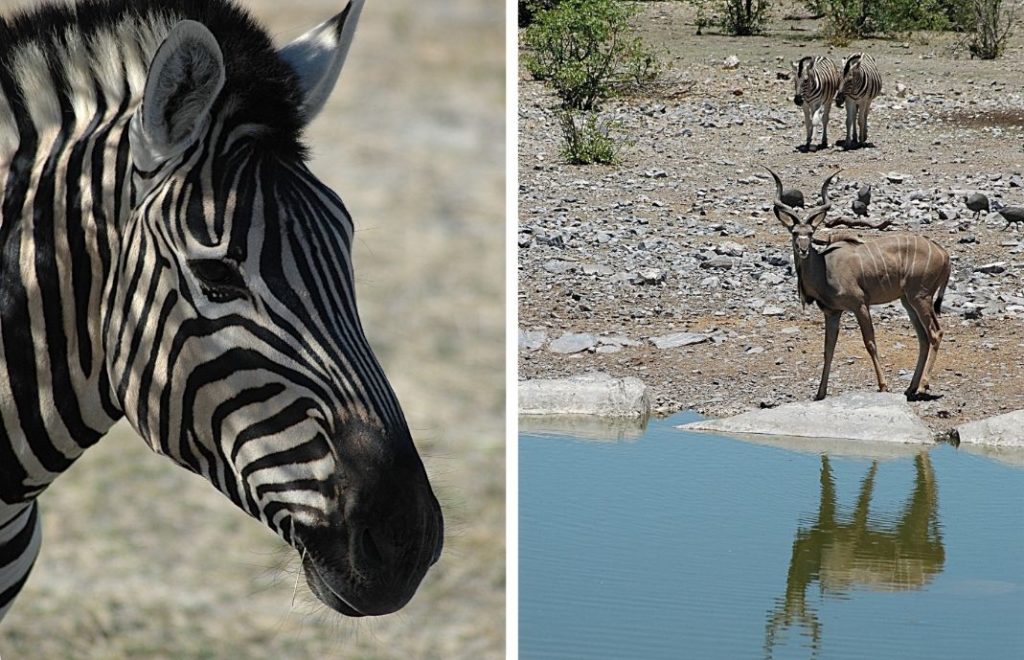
column 999, row 431
column 874, row 416
column 587, row 394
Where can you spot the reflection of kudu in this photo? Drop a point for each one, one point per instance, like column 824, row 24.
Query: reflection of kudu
column 844, row 554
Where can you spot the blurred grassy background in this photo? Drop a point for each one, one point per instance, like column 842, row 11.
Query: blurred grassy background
column 141, row 559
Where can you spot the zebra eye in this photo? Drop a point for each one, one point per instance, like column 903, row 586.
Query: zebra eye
column 219, row 280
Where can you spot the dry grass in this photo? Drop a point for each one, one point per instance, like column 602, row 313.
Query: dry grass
column 141, row 559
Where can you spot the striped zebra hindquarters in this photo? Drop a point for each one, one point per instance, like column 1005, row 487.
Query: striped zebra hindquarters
column 861, row 83
column 192, row 275
column 815, row 80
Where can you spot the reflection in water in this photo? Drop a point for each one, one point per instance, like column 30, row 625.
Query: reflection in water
column 585, row 427
column 860, row 552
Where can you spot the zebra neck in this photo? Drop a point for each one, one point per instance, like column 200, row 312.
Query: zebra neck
column 63, row 196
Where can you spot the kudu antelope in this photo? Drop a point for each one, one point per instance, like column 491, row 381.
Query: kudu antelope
column 851, row 274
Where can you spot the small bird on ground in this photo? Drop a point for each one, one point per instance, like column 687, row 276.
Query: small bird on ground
column 1012, row 215
column 793, row 197
column 977, row 202
column 860, row 205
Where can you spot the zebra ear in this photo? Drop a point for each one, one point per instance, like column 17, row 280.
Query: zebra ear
column 318, row 55
column 184, row 79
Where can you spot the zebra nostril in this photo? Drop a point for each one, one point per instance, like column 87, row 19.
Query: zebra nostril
column 369, row 549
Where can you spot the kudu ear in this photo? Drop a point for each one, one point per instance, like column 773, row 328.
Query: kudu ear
column 318, row 56
column 184, row 79
column 787, row 219
column 817, row 218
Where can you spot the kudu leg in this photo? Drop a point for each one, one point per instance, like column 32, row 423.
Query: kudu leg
column 831, row 335
column 867, row 331
column 922, row 346
column 930, row 324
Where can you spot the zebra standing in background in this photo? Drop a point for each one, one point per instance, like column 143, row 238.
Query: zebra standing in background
column 166, row 256
column 815, row 82
column 861, row 83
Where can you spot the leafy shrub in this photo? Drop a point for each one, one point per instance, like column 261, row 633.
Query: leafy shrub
column 736, row 17
column 745, row 17
column 992, row 25
column 586, row 141
column 582, row 49
column 853, row 19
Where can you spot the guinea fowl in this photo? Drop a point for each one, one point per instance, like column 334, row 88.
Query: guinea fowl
column 860, row 205
column 977, row 202
column 793, row 197
column 1012, row 215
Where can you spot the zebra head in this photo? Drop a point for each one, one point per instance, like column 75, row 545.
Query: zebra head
column 801, row 68
column 851, row 67
column 233, row 342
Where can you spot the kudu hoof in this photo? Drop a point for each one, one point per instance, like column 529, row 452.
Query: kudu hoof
column 922, row 396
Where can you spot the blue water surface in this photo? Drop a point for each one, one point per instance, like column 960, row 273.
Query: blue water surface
column 686, row 545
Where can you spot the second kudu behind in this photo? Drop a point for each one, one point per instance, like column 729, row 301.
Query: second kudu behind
column 851, row 274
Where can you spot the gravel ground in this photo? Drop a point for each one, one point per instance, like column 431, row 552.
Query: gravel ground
column 141, row 559
column 678, row 236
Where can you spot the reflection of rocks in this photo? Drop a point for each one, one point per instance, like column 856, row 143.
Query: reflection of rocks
column 584, row 427
column 589, row 394
column 845, row 553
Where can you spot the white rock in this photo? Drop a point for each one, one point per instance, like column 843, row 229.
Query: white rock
column 1000, row 431
column 572, row 343
column 874, row 416
column 588, row 394
column 731, row 62
column 677, row 339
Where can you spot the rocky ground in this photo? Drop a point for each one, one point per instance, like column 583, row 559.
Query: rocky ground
column 669, row 265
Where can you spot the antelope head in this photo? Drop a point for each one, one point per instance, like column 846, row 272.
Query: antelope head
column 801, row 229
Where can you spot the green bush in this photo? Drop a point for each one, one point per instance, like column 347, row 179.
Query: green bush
column 586, row 141
column 846, row 20
column 582, row 49
column 993, row 22
column 737, row 17
column 745, row 17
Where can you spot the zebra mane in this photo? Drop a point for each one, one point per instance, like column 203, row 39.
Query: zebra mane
column 61, row 57
column 849, row 62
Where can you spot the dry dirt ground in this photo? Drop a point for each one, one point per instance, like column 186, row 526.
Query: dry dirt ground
column 142, row 560
column 690, row 179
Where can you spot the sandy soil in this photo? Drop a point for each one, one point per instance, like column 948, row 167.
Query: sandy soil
column 141, row 559
column 690, row 179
